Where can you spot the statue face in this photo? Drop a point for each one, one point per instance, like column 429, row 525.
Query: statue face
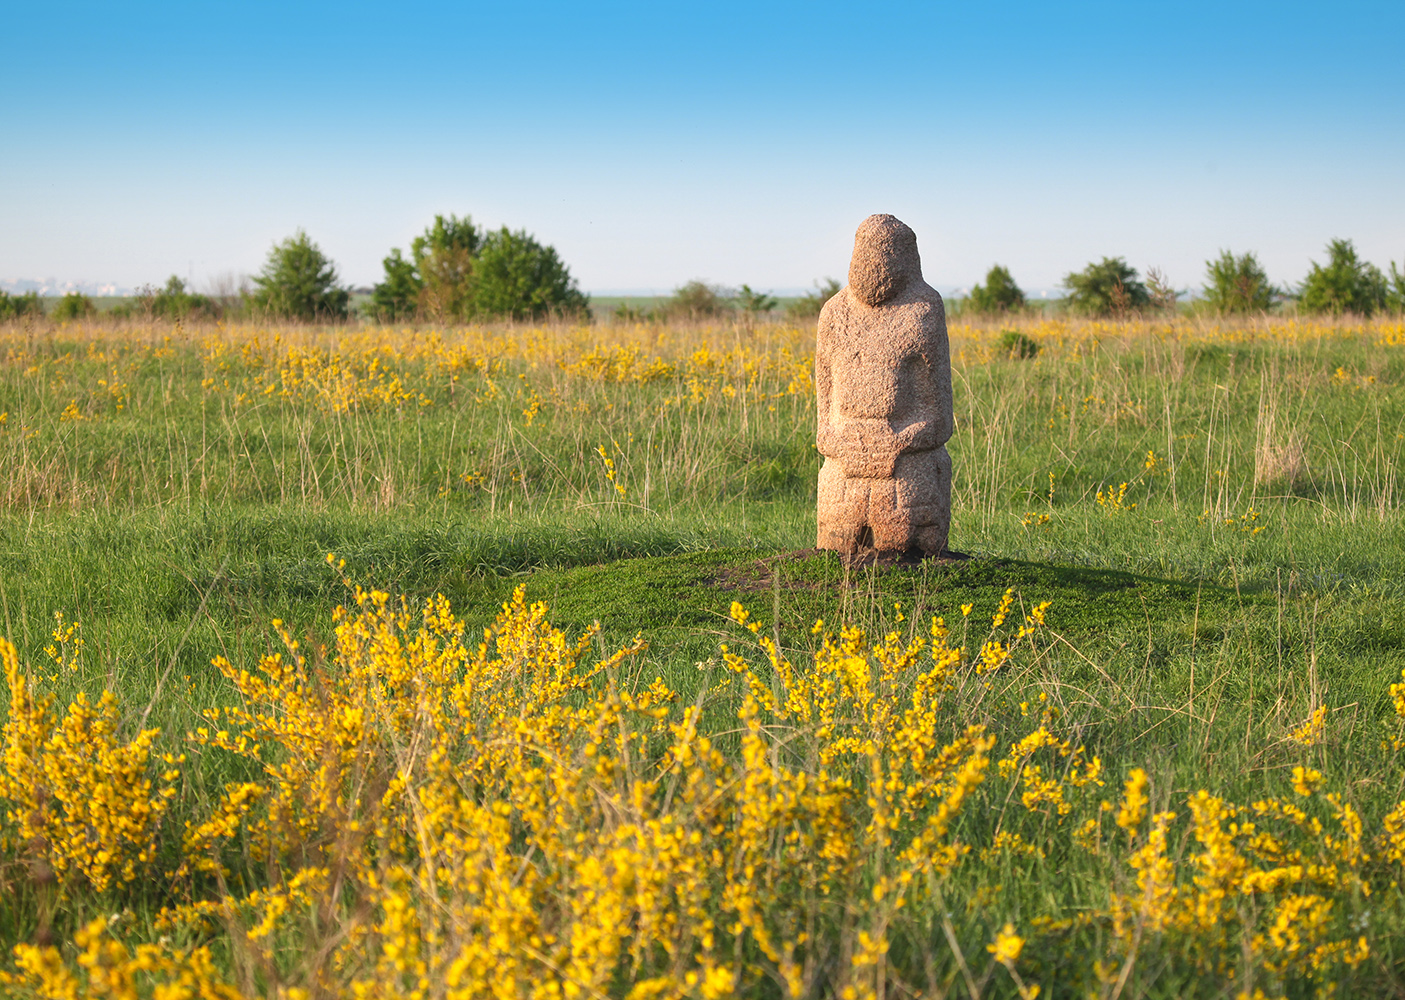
column 885, row 260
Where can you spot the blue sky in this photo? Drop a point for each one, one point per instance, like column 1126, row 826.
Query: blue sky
column 654, row 143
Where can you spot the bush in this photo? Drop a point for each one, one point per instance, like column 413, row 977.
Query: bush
column 1015, row 345
column 999, row 294
column 809, row 306
column 626, row 312
column 74, row 305
column 754, row 303
column 172, row 302
column 1237, row 284
column 299, row 282
column 19, row 306
column 698, row 300
column 443, row 263
column 1344, row 285
column 456, row 271
column 1109, row 288
column 398, row 296
column 1162, row 293
column 436, row 280
column 1395, row 294
column 515, row 276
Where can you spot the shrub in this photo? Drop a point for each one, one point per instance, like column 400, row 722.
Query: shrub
column 754, row 303
column 1395, row 294
column 999, row 294
column 456, row 271
column 398, row 296
column 174, row 302
column 698, row 300
column 1237, row 284
column 809, row 306
column 1162, row 293
column 627, row 312
column 443, row 263
column 1345, row 284
column 515, row 276
column 74, row 305
column 19, row 306
column 299, row 282
column 1015, row 345
column 1109, row 288
column 228, row 294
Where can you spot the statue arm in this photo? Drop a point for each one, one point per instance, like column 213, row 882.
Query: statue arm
column 824, row 391
column 930, row 430
column 863, row 448
column 930, row 423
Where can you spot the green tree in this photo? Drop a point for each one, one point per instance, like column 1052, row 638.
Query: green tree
column 444, row 262
column 398, row 296
column 1163, row 294
column 1111, row 287
column 999, row 294
column 754, row 303
column 74, row 305
column 698, row 300
column 1237, row 284
column 809, row 306
column 18, row 306
column 515, row 276
column 299, row 282
column 1395, row 294
column 1345, row 284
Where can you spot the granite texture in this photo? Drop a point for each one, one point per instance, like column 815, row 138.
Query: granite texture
column 883, row 377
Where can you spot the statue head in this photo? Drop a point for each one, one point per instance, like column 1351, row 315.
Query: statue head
column 885, row 259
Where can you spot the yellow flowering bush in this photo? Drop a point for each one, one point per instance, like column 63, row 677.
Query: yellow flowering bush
column 77, row 799
column 430, row 815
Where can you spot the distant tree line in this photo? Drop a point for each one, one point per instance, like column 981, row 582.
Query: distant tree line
column 1234, row 283
column 20, row 306
column 455, row 272
column 699, row 300
column 459, row 272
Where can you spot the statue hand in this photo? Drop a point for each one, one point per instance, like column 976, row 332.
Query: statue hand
column 871, row 453
column 869, row 464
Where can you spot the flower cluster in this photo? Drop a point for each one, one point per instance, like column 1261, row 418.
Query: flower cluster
column 427, row 815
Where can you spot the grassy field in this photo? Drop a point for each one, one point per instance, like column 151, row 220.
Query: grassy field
column 1181, row 777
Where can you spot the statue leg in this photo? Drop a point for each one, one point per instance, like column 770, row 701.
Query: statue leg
column 842, row 510
column 918, row 515
column 891, row 520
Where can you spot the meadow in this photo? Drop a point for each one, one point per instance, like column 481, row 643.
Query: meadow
column 495, row 661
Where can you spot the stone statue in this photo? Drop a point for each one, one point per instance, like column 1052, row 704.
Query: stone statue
column 883, row 378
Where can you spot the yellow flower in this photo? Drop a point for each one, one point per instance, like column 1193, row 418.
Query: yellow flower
column 1007, row 945
column 1306, row 780
column 1134, row 802
column 1313, row 730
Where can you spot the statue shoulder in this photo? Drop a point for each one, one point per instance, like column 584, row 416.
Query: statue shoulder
column 927, row 294
column 837, row 305
column 927, row 304
column 832, row 315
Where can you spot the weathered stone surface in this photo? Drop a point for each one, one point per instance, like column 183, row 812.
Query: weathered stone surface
column 883, row 376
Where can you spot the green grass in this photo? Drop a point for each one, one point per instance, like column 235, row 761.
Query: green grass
column 208, row 582
column 1257, row 576
column 190, row 505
